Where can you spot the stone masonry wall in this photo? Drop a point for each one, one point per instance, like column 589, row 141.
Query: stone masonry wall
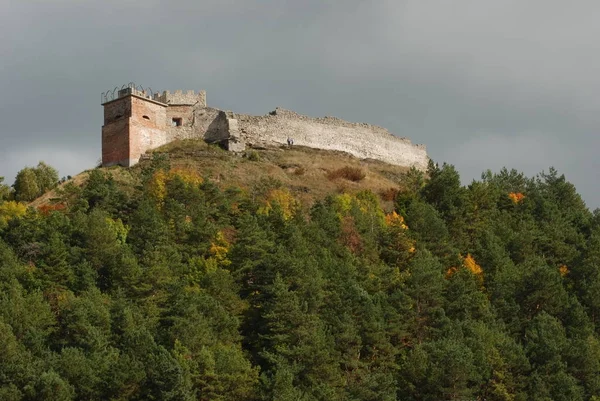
column 178, row 97
column 361, row 140
column 211, row 124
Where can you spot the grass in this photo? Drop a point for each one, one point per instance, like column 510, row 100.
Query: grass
column 309, row 174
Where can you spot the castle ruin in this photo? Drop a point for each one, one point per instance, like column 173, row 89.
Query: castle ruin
column 137, row 120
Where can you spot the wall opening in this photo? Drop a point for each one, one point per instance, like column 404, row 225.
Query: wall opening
column 145, row 117
column 176, row 122
column 118, row 116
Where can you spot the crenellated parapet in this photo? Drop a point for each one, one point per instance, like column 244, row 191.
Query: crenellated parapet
column 189, row 98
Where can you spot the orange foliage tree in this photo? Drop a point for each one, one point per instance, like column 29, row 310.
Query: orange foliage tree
column 516, row 197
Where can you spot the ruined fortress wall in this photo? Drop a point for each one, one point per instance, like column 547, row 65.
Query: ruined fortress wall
column 185, row 130
column 186, row 113
column 210, row 124
column 360, row 140
column 189, row 98
column 197, row 123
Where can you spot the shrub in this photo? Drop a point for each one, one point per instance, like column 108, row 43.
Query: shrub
column 388, row 194
column 354, row 174
column 253, row 156
column 299, row 171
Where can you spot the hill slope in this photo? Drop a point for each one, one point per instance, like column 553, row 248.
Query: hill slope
column 307, row 173
column 295, row 275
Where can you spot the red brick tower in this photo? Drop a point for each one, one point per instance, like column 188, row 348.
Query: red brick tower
column 133, row 123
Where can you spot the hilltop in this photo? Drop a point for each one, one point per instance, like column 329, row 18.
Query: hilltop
column 309, row 174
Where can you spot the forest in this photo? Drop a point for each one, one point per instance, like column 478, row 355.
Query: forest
column 177, row 288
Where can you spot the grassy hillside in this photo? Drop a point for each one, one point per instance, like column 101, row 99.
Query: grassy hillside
column 307, row 173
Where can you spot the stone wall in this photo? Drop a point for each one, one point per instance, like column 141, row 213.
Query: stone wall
column 361, row 140
column 178, row 97
column 212, row 125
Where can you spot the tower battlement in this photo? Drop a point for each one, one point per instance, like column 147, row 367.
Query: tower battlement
column 190, row 98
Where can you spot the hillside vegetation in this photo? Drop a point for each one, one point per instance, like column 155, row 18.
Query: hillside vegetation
column 295, row 274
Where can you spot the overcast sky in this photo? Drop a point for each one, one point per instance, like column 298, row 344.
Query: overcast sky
column 482, row 83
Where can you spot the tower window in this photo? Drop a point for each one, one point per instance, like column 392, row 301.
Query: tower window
column 176, row 122
column 145, row 117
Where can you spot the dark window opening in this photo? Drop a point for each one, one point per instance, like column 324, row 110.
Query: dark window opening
column 118, row 116
column 145, row 117
column 176, row 122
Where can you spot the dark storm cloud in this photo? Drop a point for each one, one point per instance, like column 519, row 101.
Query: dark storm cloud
column 484, row 84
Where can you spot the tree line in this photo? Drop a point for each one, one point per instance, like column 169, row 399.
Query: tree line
column 177, row 289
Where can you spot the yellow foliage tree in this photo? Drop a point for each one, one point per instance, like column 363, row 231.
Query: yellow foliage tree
column 367, row 203
column 469, row 264
column 395, row 220
column 219, row 248
column 284, row 199
column 157, row 187
column 472, row 266
column 10, row 210
column 563, row 270
column 343, row 203
column 189, row 176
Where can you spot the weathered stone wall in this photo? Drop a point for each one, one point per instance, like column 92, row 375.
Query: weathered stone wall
column 115, row 110
column 361, row 140
column 185, row 130
column 190, row 98
column 211, row 125
column 185, row 113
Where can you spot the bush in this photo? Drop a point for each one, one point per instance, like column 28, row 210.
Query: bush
column 253, row 156
column 354, row 174
column 388, row 194
column 300, row 171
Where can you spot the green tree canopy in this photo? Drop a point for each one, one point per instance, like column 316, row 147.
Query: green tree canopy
column 32, row 182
